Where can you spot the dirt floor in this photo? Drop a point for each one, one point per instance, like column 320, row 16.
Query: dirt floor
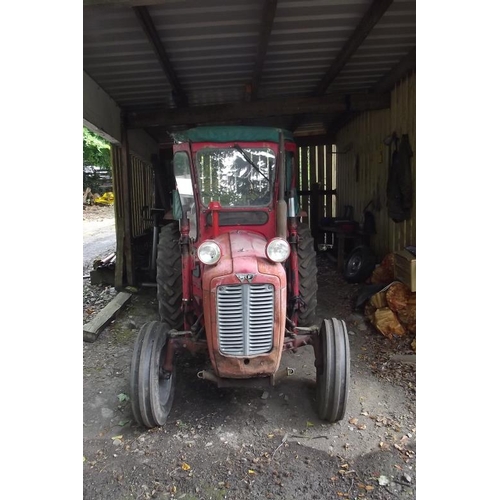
column 249, row 443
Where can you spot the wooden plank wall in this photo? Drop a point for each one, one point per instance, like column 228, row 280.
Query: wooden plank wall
column 362, row 171
column 142, row 195
column 317, row 164
column 120, row 211
column 132, row 193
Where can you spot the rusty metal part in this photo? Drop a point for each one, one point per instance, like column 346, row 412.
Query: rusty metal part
column 181, row 340
column 245, row 367
column 255, row 382
column 281, row 374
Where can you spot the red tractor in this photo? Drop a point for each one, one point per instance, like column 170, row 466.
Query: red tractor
column 236, row 277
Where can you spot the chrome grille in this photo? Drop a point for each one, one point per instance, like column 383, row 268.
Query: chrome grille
column 245, row 319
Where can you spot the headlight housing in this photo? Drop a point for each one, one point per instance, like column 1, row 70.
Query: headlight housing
column 278, row 250
column 209, row 252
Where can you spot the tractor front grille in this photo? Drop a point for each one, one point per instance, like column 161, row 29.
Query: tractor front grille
column 245, row 319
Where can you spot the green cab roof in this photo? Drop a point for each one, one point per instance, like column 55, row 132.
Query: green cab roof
column 237, row 133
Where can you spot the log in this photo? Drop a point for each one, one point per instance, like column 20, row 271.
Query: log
column 93, row 328
column 397, row 296
column 387, row 323
column 85, row 195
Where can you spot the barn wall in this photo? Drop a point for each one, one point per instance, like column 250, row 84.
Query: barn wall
column 317, row 165
column 362, row 166
column 142, row 195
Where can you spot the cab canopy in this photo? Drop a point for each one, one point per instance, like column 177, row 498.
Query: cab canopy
column 236, row 133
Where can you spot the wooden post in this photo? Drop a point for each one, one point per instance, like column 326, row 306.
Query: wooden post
column 119, row 229
column 124, row 270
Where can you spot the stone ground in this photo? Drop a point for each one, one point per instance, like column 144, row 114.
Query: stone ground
column 249, row 443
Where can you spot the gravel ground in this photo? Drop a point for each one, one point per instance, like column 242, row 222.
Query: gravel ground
column 95, row 297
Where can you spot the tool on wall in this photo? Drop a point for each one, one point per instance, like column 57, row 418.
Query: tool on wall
column 399, row 180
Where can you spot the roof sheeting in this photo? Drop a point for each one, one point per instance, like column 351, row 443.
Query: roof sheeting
column 212, row 47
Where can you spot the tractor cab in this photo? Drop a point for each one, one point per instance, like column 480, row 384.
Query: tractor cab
column 233, row 171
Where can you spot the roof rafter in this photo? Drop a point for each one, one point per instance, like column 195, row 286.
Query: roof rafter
column 376, row 10
column 403, row 67
column 218, row 113
column 266, row 27
column 148, row 26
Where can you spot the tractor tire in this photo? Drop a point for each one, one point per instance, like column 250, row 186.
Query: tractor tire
column 151, row 388
column 359, row 265
column 169, row 277
column 307, row 276
column 333, row 370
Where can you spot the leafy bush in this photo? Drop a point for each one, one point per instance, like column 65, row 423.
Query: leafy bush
column 96, row 160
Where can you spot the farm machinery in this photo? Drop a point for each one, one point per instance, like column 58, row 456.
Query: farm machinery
column 236, row 275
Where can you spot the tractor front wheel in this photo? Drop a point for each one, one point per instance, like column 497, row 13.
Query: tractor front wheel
column 151, row 387
column 332, row 370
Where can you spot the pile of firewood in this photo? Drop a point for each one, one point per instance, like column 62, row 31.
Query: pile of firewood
column 393, row 310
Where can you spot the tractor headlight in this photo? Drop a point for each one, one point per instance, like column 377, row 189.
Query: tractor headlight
column 278, row 250
column 209, row 252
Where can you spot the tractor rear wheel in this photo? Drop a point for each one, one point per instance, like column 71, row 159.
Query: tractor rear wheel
column 169, row 277
column 307, row 276
column 151, row 388
column 332, row 370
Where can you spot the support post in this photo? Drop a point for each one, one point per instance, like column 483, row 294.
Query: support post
column 124, row 270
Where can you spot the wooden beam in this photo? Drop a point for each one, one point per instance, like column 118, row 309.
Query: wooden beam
column 258, row 109
column 370, row 19
column 331, row 132
column 402, row 68
column 266, row 26
column 340, row 122
column 93, row 328
column 311, row 140
column 295, row 123
column 124, row 267
column 148, row 26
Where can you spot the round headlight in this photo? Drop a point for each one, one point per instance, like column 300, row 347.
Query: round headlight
column 209, row 252
column 278, row 250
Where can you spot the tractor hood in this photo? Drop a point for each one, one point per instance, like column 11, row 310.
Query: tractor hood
column 260, row 286
column 242, row 252
column 243, row 244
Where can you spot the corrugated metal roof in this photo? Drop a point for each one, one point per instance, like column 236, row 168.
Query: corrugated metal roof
column 212, row 47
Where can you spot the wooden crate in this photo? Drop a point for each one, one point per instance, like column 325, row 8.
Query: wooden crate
column 405, row 268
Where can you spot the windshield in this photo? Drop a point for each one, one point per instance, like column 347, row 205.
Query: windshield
column 236, row 177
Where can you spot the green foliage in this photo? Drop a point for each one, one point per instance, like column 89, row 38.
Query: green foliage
column 96, row 150
column 96, row 159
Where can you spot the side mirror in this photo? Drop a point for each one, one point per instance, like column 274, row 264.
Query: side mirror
column 176, row 205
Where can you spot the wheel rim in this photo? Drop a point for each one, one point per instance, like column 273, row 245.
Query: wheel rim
column 161, row 389
column 164, row 380
column 354, row 264
column 152, row 389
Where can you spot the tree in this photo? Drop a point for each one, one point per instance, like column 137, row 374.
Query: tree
column 96, row 150
column 96, row 158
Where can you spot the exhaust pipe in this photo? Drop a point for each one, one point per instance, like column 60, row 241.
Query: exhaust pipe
column 281, row 209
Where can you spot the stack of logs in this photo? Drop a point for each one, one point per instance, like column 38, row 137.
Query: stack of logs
column 392, row 310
